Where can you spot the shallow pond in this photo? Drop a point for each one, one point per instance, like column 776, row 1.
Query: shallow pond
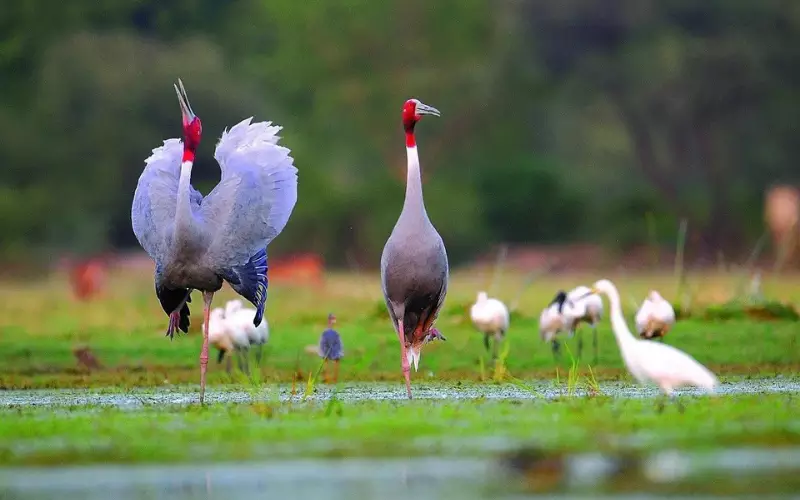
column 364, row 391
column 518, row 474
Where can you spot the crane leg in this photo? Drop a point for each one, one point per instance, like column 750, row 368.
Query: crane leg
column 486, row 341
column 556, row 352
column 580, row 344
column 228, row 363
column 207, row 298
column 259, row 349
column 494, row 348
column 404, row 362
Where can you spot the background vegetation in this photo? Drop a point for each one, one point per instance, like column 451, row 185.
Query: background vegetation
column 562, row 121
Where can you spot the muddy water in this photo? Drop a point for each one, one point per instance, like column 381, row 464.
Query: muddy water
column 660, row 475
column 363, row 391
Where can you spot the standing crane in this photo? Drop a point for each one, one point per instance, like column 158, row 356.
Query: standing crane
column 414, row 270
column 490, row 316
column 197, row 242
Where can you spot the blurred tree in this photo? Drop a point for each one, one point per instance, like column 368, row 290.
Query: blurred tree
column 685, row 81
column 103, row 102
column 560, row 120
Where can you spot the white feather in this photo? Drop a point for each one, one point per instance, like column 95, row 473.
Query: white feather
column 489, row 315
column 240, row 323
column 256, row 194
column 654, row 313
column 576, row 309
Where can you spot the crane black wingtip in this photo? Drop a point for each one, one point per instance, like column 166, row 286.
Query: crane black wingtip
column 251, row 282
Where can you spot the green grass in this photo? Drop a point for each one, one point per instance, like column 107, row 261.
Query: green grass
column 43, row 324
column 272, row 430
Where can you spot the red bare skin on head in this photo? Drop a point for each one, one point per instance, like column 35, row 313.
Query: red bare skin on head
column 410, row 118
column 192, row 130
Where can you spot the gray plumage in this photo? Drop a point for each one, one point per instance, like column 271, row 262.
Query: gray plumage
column 414, row 267
column 197, row 242
column 330, row 345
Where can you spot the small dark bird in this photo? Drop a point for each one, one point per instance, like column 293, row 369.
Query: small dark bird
column 330, row 348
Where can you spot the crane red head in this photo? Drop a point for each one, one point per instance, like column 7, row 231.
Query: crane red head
column 192, row 127
column 413, row 110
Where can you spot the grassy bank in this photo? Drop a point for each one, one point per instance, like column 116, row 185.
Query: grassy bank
column 42, row 325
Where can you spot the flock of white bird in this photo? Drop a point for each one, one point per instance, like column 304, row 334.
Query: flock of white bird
column 646, row 360
column 231, row 331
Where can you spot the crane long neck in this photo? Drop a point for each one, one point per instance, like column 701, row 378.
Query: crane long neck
column 183, row 209
column 413, row 202
column 618, row 324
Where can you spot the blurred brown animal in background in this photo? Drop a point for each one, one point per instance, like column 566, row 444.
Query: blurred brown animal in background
column 298, row 268
column 782, row 215
column 86, row 358
column 88, row 278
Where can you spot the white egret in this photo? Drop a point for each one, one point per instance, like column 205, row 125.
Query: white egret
column 490, row 316
column 566, row 312
column 661, row 364
column 655, row 317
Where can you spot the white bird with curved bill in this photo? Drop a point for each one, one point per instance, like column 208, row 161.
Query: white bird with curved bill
column 490, row 316
column 566, row 312
column 655, row 317
column 226, row 340
column 240, row 322
column 661, row 364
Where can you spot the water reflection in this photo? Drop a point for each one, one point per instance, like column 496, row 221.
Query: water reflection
column 520, row 474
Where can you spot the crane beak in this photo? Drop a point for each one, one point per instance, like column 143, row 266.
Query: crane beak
column 424, row 109
column 183, row 100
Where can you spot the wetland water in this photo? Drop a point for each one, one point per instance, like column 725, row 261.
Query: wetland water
column 350, row 392
column 659, row 475
column 502, row 470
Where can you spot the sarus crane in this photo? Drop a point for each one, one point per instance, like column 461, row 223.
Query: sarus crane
column 198, row 242
column 414, row 270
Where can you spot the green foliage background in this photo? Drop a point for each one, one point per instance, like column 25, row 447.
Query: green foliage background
column 561, row 121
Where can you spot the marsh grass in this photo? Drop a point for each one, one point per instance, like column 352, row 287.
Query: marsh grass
column 262, row 430
column 42, row 324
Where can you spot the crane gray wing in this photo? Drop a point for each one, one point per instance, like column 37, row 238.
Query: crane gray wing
column 156, row 195
column 255, row 196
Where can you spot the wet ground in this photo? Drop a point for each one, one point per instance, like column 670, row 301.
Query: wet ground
column 522, row 474
column 365, row 391
column 502, row 470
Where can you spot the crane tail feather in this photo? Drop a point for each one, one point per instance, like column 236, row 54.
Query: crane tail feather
column 250, row 281
column 173, row 300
